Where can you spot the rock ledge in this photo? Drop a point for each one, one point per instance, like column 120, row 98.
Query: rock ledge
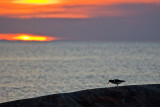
column 124, row 96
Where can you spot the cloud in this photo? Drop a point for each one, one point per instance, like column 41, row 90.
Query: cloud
column 77, row 9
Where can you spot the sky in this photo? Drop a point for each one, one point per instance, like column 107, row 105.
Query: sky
column 93, row 20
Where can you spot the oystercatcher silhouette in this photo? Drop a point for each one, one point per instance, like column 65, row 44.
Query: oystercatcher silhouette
column 116, row 81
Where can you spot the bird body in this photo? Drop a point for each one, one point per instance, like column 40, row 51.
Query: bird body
column 116, row 81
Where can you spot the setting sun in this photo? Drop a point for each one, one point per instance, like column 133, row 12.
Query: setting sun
column 26, row 37
column 30, row 38
column 40, row 2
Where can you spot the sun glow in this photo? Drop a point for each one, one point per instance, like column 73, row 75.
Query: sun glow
column 30, row 38
column 40, row 2
column 26, row 37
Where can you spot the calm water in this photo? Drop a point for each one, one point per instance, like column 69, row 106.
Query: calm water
column 30, row 69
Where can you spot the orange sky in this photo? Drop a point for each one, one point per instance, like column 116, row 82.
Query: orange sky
column 62, row 8
column 26, row 37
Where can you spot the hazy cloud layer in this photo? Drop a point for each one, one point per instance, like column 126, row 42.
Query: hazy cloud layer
column 75, row 9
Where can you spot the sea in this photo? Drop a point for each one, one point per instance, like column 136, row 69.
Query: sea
column 33, row 69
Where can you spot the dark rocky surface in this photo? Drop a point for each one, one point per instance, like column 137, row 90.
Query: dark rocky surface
column 125, row 96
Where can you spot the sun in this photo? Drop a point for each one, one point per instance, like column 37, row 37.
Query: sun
column 25, row 37
column 31, row 38
column 39, row 2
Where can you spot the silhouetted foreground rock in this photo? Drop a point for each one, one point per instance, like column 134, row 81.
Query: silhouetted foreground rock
column 125, row 96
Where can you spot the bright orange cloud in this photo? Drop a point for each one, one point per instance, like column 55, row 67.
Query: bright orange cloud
column 63, row 8
column 26, row 37
column 38, row 2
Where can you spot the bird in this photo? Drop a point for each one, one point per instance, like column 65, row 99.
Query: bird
column 116, row 81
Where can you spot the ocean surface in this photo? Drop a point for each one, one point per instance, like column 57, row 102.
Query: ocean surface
column 31, row 69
